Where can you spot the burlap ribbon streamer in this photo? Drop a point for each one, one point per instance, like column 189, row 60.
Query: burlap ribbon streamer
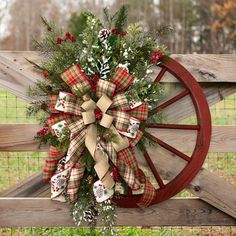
column 101, row 167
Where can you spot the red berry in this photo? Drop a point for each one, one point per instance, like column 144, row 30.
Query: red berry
column 59, row 40
column 156, row 56
column 114, row 31
column 122, row 34
column 98, row 116
column 72, row 39
column 68, row 35
column 45, row 73
column 154, row 60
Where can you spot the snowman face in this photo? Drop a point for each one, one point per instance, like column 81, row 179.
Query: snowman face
column 101, row 192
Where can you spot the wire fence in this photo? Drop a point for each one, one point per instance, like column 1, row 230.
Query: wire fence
column 16, row 166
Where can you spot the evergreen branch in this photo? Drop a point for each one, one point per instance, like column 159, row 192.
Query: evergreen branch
column 37, row 66
column 46, row 24
column 107, row 17
column 121, row 18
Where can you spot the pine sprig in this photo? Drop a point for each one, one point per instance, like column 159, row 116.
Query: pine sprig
column 106, row 17
column 35, row 65
column 121, row 18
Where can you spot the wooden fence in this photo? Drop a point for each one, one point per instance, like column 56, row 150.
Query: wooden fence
column 28, row 203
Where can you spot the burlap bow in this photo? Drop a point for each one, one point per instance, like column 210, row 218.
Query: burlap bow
column 77, row 111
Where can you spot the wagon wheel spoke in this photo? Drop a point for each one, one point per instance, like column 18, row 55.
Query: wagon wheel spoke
column 169, row 102
column 152, row 167
column 160, row 75
column 172, row 126
column 168, row 147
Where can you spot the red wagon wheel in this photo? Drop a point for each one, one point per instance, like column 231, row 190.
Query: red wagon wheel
column 193, row 162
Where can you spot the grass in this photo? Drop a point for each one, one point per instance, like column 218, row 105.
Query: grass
column 16, row 166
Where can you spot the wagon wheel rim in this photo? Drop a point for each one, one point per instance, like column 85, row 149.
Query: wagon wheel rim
column 194, row 161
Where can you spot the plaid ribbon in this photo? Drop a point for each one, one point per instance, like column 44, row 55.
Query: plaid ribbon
column 105, row 87
column 140, row 112
column 74, row 124
column 120, row 102
column 128, row 168
column 74, row 181
column 69, row 103
column 76, row 79
column 121, row 119
column 149, row 194
column 118, row 159
column 53, row 99
column 122, row 79
column 51, row 163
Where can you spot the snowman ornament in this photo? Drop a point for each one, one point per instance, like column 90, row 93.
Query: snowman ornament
column 102, row 193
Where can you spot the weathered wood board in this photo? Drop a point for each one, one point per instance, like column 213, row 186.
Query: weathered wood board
column 181, row 212
column 223, row 138
column 16, row 74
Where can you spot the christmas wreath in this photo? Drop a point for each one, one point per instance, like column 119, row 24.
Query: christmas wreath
column 94, row 102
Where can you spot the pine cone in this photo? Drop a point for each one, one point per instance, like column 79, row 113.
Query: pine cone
column 44, row 106
column 104, row 34
column 90, row 179
column 90, row 214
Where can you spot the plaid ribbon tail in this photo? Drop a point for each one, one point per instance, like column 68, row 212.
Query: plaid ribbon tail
column 69, row 179
column 149, row 194
column 51, row 163
column 74, row 182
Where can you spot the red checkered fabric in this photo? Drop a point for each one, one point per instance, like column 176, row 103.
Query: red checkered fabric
column 122, row 79
column 121, row 119
column 77, row 144
column 105, row 87
column 53, row 100
column 109, row 149
column 75, row 124
column 51, row 163
column 120, row 102
column 76, row 79
column 72, row 104
column 127, row 167
column 74, row 182
column 140, row 112
column 131, row 161
column 149, row 194
column 123, row 163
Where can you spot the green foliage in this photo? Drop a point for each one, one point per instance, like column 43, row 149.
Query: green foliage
column 78, row 23
column 121, row 18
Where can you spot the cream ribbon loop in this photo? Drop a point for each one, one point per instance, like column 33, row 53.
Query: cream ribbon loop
column 101, row 161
